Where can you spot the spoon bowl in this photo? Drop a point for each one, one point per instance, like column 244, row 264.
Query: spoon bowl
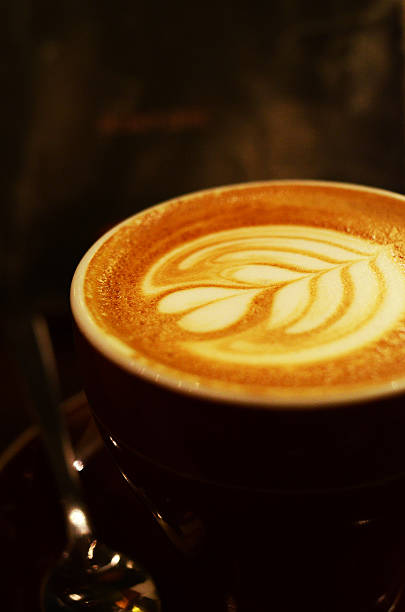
column 93, row 576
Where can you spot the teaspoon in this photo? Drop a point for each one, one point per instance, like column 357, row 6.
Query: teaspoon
column 89, row 575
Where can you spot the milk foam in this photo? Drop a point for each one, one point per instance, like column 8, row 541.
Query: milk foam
column 322, row 294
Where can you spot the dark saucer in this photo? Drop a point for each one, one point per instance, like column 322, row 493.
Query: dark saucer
column 32, row 530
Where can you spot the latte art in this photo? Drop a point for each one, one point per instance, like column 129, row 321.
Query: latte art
column 278, row 295
column 282, row 290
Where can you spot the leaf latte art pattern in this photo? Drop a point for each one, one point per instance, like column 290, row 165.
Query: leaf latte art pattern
column 278, row 295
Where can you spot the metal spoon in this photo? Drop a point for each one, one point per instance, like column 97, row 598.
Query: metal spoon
column 89, row 575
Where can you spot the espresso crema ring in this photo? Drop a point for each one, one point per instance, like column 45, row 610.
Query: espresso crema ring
column 278, row 290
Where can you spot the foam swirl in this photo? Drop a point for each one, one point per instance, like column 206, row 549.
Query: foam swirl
column 277, row 295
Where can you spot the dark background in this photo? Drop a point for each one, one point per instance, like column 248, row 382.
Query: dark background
column 108, row 107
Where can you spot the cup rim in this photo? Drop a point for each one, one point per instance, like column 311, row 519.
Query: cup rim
column 107, row 345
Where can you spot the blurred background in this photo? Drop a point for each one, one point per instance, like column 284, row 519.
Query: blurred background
column 108, row 107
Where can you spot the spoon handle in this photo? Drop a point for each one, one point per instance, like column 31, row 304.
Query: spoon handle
column 36, row 356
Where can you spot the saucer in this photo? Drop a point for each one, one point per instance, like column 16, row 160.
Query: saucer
column 32, row 530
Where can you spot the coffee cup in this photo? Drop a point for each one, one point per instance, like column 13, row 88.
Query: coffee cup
column 242, row 352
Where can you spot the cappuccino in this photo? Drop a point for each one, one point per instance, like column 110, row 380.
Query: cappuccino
column 242, row 351
column 279, row 290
